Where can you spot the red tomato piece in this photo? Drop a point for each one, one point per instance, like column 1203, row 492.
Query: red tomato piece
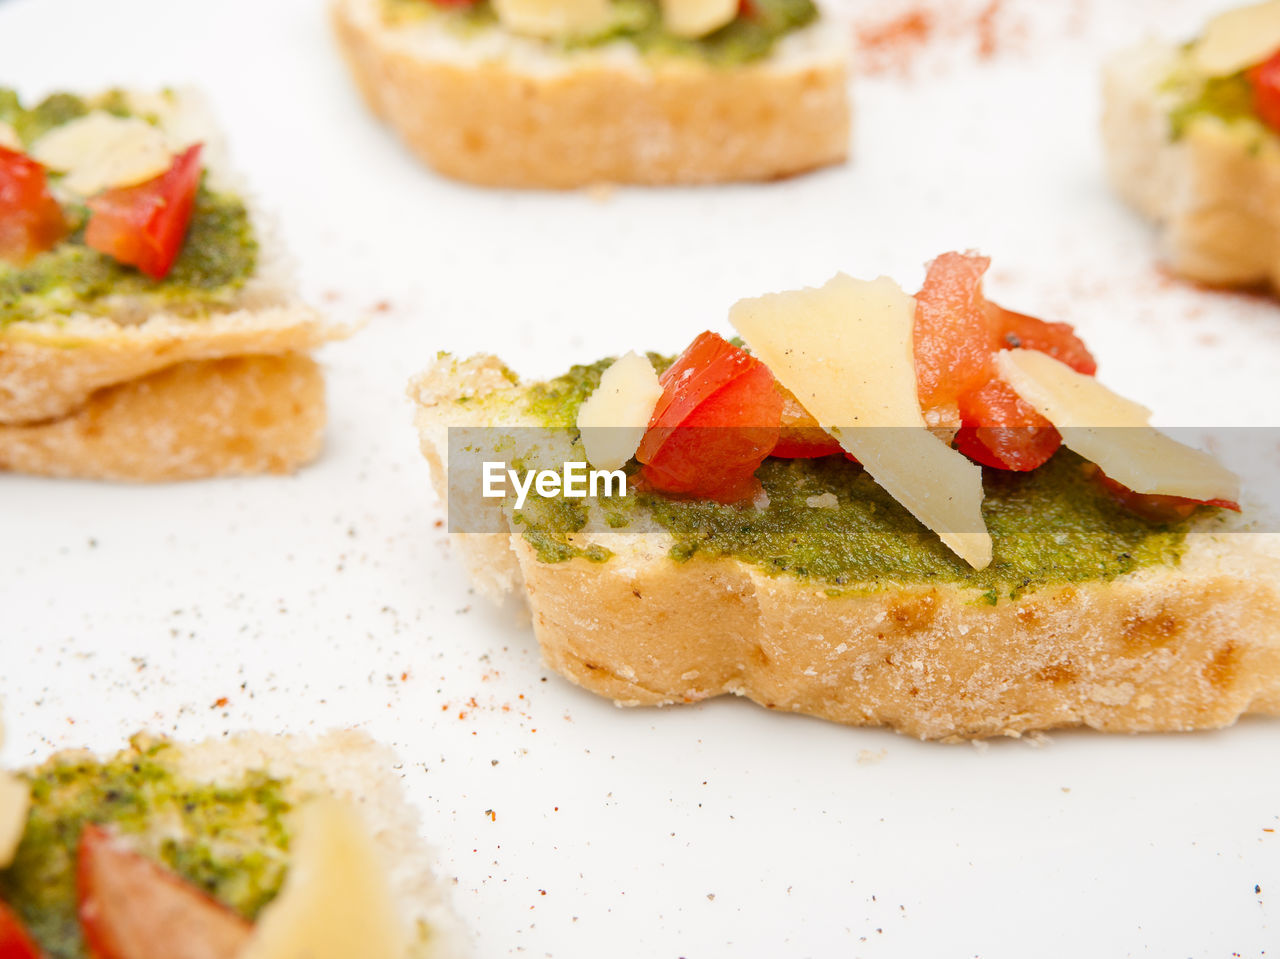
column 1158, row 508
column 708, row 363
column 133, row 908
column 15, row 941
column 716, row 421
column 1010, row 330
column 800, row 436
column 952, row 339
column 956, row 333
column 31, row 220
column 1003, row 430
column 1265, row 80
column 144, row 225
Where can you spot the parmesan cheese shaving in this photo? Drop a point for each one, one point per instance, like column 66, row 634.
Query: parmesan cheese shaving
column 9, row 138
column 336, row 902
column 1113, row 432
column 846, row 352
column 697, row 18
column 14, row 803
column 100, row 151
column 613, row 419
column 1238, row 39
column 15, row 800
column 553, row 18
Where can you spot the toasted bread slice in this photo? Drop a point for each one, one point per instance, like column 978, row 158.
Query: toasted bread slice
column 224, row 822
column 54, row 366
column 497, row 109
column 235, row 416
column 1174, row 646
column 1213, row 189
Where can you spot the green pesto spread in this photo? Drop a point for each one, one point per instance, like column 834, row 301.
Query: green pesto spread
column 1224, row 99
column 746, row 38
column 1051, row 526
column 546, row 524
column 1229, row 99
column 229, row 839
column 219, row 254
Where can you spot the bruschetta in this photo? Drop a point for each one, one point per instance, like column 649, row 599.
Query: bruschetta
column 148, row 326
column 248, row 847
column 921, row 512
column 1192, row 136
column 570, row 93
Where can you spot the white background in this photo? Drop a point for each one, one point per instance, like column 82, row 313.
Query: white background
column 332, row 598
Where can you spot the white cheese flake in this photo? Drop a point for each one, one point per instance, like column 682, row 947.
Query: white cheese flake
column 697, row 18
column 613, row 419
column 9, row 138
column 15, row 800
column 100, row 151
column 1113, row 432
column 336, row 901
column 822, row 501
column 846, row 351
column 1238, row 39
column 554, row 18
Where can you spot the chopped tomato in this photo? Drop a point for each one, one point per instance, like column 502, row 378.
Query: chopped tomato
column 716, row 421
column 31, row 220
column 1011, row 331
column 15, row 941
column 1265, row 80
column 800, row 436
column 952, row 342
column 1003, row 430
column 1155, row 507
column 145, row 225
column 133, row 908
column 957, row 331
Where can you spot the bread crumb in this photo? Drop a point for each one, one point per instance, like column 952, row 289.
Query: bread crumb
column 867, row 757
column 1119, row 694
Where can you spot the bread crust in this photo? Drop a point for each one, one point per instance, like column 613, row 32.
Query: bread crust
column 1165, row 648
column 237, row 415
column 1214, row 193
column 50, row 369
column 502, row 121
